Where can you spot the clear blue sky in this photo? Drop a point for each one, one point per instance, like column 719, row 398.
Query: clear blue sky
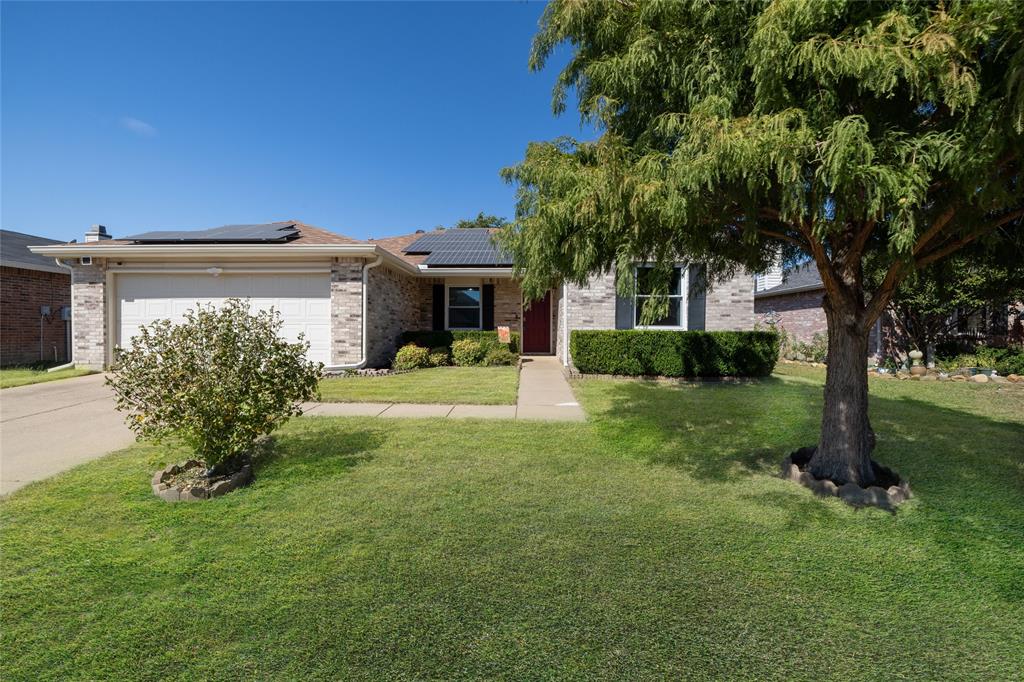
column 368, row 119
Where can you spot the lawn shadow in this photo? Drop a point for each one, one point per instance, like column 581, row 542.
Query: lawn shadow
column 318, row 447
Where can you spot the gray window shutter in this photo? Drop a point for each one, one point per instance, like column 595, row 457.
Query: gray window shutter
column 623, row 312
column 695, row 310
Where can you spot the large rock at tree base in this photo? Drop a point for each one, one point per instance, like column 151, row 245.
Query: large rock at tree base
column 851, row 493
column 980, row 379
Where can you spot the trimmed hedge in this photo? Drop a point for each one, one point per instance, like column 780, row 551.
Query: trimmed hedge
column 675, row 353
column 432, row 339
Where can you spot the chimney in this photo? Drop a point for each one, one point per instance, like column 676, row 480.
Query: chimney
column 97, row 233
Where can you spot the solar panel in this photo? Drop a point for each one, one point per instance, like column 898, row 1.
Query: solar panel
column 264, row 233
column 461, row 247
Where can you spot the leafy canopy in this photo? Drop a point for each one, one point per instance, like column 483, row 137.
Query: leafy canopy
column 736, row 132
column 481, row 220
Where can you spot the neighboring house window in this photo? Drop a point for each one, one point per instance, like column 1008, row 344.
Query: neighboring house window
column 464, row 308
column 676, row 317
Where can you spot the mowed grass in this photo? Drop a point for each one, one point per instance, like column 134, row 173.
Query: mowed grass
column 22, row 376
column 465, row 385
column 654, row 541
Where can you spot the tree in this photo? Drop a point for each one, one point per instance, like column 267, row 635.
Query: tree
column 217, row 381
column 731, row 132
column 482, row 220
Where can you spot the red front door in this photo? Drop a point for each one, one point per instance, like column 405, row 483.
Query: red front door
column 537, row 325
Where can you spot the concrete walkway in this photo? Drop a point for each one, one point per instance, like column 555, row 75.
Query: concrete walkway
column 544, row 394
column 47, row 428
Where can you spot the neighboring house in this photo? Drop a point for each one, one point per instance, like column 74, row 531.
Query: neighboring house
column 795, row 300
column 35, row 295
column 351, row 299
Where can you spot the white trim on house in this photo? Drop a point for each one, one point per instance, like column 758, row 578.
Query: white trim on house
column 479, row 307
column 683, row 296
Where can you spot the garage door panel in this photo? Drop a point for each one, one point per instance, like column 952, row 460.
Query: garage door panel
column 303, row 300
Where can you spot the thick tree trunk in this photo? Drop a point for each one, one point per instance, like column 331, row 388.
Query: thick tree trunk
column 844, row 448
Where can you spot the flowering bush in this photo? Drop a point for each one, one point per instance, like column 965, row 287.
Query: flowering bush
column 218, row 381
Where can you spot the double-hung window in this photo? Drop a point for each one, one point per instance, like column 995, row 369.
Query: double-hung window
column 676, row 316
column 464, row 307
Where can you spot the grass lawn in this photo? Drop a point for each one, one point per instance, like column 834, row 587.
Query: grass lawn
column 22, row 376
column 466, row 385
column 653, row 541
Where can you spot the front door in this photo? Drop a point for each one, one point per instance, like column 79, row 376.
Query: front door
column 537, row 325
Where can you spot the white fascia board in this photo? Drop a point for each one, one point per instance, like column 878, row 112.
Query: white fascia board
column 769, row 293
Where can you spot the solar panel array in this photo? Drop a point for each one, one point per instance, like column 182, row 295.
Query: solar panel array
column 461, row 247
column 265, row 233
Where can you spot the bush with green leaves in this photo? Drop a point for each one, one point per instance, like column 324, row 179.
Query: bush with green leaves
column 217, row 381
column 467, row 352
column 675, row 353
column 439, row 357
column 1005, row 361
column 411, row 356
column 499, row 356
column 434, row 339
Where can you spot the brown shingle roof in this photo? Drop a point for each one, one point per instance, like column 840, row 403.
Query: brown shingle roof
column 396, row 244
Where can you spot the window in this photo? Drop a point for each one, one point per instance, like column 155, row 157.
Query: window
column 464, row 309
column 676, row 316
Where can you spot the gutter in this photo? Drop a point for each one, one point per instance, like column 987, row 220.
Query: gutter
column 768, row 293
column 362, row 336
column 71, row 347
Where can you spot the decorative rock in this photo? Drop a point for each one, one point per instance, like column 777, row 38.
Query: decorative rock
column 980, row 379
column 959, row 377
column 929, row 377
column 215, row 488
column 851, row 493
column 1014, row 378
column 998, row 379
column 943, row 377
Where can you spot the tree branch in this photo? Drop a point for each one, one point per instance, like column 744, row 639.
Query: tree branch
column 958, row 244
column 936, row 228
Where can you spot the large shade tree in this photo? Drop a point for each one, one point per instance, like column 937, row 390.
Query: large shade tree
column 736, row 132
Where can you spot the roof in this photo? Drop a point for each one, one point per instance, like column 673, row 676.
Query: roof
column 803, row 277
column 14, row 252
column 460, row 247
column 235, row 234
column 396, row 246
column 307, row 234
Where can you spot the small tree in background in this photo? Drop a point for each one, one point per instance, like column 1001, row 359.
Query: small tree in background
column 733, row 131
column 218, row 381
column 482, row 220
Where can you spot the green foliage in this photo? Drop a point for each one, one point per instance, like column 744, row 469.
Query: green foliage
column 481, row 220
column 1005, row 361
column 467, row 352
column 439, row 339
column 675, row 353
column 411, row 356
column 439, row 357
column 217, row 381
column 814, row 351
column 499, row 356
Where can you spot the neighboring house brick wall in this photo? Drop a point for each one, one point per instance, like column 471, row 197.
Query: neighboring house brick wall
column 730, row 305
column 393, row 307
column 508, row 304
column 346, row 311
column 89, row 307
column 800, row 314
column 22, row 293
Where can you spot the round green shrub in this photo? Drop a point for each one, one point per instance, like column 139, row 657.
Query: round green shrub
column 466, row 353
column 411, row 356
column 439, row 357
column 498, row 356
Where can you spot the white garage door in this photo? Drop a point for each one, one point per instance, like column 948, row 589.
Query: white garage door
column 304, row 301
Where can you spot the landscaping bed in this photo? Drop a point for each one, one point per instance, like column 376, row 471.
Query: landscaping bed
column 448, row 385
column 655, row 540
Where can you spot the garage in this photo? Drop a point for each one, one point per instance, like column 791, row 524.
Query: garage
column 303, row 299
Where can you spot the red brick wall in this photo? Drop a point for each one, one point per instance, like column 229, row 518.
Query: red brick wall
column 22, row 292
column 800, row 313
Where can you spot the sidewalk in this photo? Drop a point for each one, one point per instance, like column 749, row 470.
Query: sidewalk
column 544, row 395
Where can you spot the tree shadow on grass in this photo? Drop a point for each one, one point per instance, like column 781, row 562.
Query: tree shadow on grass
column 318, row 447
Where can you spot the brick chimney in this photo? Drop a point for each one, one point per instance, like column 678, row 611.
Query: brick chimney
column 97, row 233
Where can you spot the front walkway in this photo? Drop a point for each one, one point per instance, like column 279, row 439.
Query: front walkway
column 544, row 394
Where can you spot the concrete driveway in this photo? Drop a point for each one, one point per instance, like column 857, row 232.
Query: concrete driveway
column 47, row 428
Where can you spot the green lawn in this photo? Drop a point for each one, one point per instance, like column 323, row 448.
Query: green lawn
column 22, row 376
column 466, row 385
column 653, row 541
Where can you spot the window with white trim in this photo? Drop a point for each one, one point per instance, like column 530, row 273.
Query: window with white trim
column 676, row 318
column 465, row 309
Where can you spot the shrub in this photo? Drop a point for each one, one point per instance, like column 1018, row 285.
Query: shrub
column 498, row 356
column 218, row 381
column 1004, row 360
column 675, row 353
column 467, row 352
column 411, row 356
column 439, row 357
column 434, row 339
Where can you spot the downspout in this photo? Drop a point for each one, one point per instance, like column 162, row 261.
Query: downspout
column 565, row 324
column 362, row 359
column 71, row 346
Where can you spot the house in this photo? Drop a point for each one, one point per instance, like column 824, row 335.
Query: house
column 350, row 298
column 35, row 295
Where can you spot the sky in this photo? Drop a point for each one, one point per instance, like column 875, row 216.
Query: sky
column 365, row 119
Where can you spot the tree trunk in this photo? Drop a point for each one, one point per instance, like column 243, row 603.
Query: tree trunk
column 844, row 448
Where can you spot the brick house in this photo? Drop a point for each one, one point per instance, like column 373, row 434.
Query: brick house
column 351, row 299
column 35, row 295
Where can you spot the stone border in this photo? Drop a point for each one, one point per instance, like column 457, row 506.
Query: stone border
column 220, row 486
column 851, row 493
